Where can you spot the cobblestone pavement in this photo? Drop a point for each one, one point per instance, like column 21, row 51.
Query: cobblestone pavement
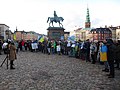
column 37, row 71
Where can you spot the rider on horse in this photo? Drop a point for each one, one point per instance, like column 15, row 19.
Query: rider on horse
column 55, row 19
column 55, row 16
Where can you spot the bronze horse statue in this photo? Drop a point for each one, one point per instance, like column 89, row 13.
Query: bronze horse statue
column 56, row 20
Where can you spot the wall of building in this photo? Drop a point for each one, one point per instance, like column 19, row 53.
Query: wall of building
column 18, row 35
column 26, row 35
column 117, row 34
column 3, row 29
column 113, row 32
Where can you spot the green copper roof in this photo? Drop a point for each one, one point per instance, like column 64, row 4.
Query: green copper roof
column 87, row 16
column 87, row 28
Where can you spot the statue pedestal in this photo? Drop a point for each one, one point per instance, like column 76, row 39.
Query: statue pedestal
column 55, row 33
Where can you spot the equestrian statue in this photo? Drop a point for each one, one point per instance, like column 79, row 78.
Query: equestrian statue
column 55, row 19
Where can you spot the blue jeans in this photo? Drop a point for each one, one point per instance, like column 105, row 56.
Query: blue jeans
column 52, row 50
column 106, row 65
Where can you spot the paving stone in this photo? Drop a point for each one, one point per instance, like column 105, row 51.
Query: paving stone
column 38, row 71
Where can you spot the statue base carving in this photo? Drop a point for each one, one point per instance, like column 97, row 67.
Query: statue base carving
column 55, row 33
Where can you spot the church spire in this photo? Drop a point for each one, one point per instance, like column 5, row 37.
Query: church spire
column 87, row 16
column 16, row 29
column 87, row 22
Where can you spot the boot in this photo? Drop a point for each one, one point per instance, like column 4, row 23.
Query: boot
column 11, row 64
column 111, row 76
column 117, row 66
column 105, row 70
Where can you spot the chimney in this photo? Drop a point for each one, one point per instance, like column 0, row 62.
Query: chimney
column 105, row 26
column 119, row 27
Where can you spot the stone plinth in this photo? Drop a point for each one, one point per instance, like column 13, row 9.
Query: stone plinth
column 55, row 33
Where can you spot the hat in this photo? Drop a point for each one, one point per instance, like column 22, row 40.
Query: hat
column 109, row 41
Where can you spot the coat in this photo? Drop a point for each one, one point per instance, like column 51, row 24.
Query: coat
column 58, row 48
column 111, row 52
column 0, row 45
column 118, row 53
column 12, row 54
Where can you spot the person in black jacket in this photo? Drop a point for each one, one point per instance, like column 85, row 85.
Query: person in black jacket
column 111, row 57
column 0, row 47
column 87, row 50
column 48, row 47
column 117, row 60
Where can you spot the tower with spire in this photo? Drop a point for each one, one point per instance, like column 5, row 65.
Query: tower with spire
column 16, row 29
column 87, row 22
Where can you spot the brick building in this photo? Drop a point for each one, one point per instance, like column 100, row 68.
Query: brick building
column 100, row 34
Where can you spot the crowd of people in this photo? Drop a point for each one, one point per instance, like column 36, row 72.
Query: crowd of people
column 105, row 52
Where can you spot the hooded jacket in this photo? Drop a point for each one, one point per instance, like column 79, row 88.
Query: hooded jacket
column 111, row 50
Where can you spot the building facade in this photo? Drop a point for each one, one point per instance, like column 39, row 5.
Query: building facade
column 118, row 33
column 19, row 35
column 9, row 34
column 22, row 35
column 66, row 35
column 100, row 34
column 113, row 29
column 3, row 28
column 30, row 35
column 76, row 33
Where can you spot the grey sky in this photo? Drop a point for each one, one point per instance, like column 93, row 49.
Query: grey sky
column 31, row 15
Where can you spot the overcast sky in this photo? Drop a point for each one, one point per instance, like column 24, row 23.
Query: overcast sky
column 31, row 15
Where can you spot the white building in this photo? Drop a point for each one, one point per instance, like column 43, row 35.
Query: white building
column 3, row 28
column 118, row 33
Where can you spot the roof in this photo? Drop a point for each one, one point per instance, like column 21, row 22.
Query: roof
column 66, row 32
column 20, row 31
column 4, row 25
column 78, row 29
column 113, row 28
column 101, row 30
column 9, row 31
column 86, row 28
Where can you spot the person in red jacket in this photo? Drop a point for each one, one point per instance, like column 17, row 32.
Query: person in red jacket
column 23, row 47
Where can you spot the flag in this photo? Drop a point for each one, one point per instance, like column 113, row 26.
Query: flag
column 41, row 39
column 71, row 38
column 14, row 36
